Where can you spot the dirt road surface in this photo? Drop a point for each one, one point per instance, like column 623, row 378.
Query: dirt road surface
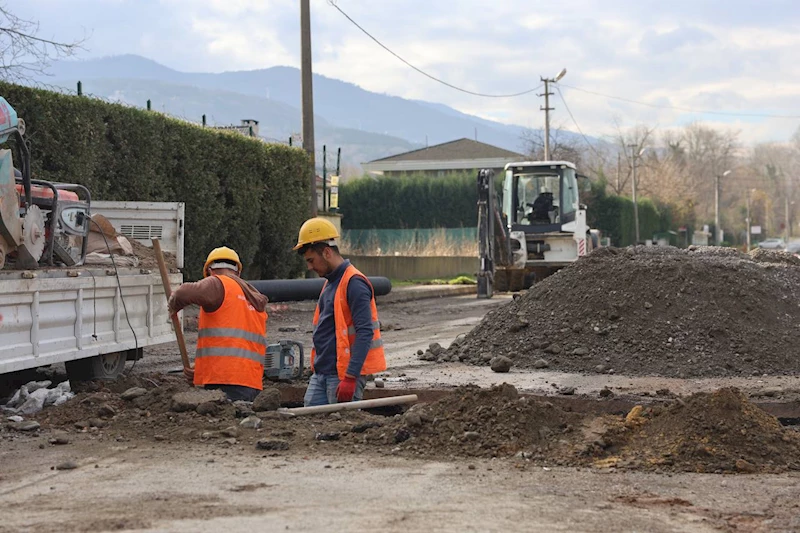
column 125, row 486
column 116, row 482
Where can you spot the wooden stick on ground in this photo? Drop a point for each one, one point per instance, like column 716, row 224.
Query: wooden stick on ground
column 176, row 323
column 362, row 404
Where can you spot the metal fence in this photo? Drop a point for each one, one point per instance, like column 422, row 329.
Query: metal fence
column 418, row 241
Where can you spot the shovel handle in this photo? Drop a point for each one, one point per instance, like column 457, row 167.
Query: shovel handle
column 176, row 323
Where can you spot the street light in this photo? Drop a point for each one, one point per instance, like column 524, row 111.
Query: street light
column 547, row 109
column 717, row 232
column 749, row 192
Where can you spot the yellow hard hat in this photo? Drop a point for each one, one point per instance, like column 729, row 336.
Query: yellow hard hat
column 222, row 254
column 314, row 230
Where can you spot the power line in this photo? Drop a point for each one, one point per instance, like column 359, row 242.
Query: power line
column 434, row 78
column 679, row 108
column 586, row 140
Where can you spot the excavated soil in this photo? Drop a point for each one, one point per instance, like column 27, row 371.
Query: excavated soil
column 494, row 422
column 147, row 256
column 700, row 312
column 707, row 432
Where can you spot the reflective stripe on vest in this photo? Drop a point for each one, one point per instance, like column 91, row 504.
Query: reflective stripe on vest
column 230, row 352
column 376, row 324
column 231, row 341
column 232, row 332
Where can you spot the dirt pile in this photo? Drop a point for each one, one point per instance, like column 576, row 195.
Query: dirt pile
column 699, row 312
column 147, row 256
column 477, row 422
column 155, row 407
column 706, row 432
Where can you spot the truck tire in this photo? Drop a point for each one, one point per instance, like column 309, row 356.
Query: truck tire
column 105, row 367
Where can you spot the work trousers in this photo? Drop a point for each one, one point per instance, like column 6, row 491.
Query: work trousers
column 322, row 389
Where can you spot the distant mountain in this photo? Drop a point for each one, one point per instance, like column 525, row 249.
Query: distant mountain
column 277, row 121
column 365, row 124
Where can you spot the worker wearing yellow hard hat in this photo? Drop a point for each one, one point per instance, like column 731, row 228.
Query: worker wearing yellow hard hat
column 347, row 343
column 316, row 230
column 232, row 330
column 222, row 257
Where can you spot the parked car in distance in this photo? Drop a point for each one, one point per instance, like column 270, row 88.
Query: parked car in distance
column 793, row 248
column 772, row 244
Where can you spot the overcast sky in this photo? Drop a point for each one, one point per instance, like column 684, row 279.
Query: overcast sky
column 724, row 55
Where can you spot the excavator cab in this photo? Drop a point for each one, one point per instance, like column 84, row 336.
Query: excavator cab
column 542, row 227
column 540, row 197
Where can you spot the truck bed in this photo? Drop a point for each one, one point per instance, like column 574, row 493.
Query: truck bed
column 58, row 315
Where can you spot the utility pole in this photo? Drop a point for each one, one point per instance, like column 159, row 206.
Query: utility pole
column 546, row 110
column 787, row 193
column 747, row 229
column 635, row 203
column 547, row 94
column 324, row 177
column 717, row 239
column 717, row 229
column 307, row 96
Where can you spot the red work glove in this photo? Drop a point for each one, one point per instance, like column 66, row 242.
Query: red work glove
column 346, row 389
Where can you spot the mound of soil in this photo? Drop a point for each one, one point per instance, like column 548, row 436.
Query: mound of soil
column 147, row 256
column 698, row 312
column 494, row 422
column 708, row 432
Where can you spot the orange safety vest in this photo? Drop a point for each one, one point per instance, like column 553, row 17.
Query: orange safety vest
column 231, row 341
column 346, row 332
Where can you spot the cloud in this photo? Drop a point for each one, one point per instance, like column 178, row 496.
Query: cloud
column 736, row 55
column 670, row 41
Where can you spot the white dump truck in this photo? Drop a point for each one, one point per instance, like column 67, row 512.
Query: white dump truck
column 92, row 317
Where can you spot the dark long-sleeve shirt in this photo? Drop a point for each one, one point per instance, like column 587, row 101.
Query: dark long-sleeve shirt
column 209, row 294
column 359, row 297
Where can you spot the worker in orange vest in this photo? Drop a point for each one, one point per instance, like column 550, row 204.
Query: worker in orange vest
column 232, row 331
column 347, row 342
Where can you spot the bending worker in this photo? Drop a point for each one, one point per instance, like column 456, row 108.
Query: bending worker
column 347, row 342
column 232, row 331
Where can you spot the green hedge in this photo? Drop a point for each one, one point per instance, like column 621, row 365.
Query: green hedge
column 412, row 201
column 239, row 192
column 417, row 201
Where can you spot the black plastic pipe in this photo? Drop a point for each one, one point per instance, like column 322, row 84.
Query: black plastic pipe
column 295, row 290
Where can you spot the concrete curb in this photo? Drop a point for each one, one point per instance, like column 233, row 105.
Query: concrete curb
column 421, row 292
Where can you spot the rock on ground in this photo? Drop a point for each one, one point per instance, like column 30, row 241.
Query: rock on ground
column 272, row 444
column 251, row 422
column 189, row 400
column 501, row 364
column 268, row 399
column 133, row 393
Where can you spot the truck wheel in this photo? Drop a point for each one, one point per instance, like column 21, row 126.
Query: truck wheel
column 106, row 366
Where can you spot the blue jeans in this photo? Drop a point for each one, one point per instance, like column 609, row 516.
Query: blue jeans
column 322, row 389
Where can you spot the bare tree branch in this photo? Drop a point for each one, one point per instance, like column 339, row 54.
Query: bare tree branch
column 24, row 54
